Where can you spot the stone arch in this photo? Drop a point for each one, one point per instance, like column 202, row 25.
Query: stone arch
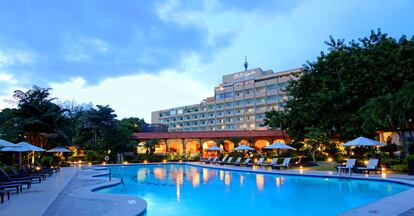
column 279, row 140
column 207, row 144
column 175, row 145
column 140, row 148
column 228, row 145
column 161, row 147
column 260, row 143
column 244, row 142
column 192, row 146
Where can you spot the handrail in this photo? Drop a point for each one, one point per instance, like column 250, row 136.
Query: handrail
column 120, row 176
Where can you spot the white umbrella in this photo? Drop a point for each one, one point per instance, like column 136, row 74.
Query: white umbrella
column 279, row 145
column 4, row 143
column 363, row 141
column 243, row 147
column 214, row 148
column 30, row 147
column 59, row 149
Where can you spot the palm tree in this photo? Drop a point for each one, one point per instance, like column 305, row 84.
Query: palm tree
column 150, row 145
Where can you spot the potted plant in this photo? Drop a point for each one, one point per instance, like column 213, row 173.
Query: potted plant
column 410, row 161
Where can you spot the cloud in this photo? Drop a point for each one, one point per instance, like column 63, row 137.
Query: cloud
column 9, row 57
column 136, row 95
column 84, row 49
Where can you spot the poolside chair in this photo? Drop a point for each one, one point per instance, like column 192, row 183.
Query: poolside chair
column 9, row 180
column 214, row 160
column 350, row 163
column 237, row 162
column 223, row 160
column 285, row 164
column 371, row 166
column 259, row 162
column 245, row 163
column 15, row 174
column 206, row 160
column 229, row 160
column 18, row 187
column 26, row 170
column 3, row 193
column 273, row 162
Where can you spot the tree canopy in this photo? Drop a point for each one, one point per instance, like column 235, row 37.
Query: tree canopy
column 331, row 93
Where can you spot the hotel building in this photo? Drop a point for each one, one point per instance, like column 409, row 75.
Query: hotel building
column 239, row 103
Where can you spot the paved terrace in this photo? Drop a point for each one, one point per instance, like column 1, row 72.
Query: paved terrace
column 69, row 193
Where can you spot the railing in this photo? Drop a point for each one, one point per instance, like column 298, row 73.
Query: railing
column 120, row 176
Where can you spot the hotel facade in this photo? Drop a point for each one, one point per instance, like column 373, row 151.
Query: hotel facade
column 239, row 103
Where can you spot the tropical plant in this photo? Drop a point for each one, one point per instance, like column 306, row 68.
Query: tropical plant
column 315, row 141
column 150, row 146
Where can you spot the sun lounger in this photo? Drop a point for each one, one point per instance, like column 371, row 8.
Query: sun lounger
column 259, row 162
column 9, row 180
column 18, row 187
column 214, row 160
column 26, row 170
column 371, row 166
column 206, row 160
column 3, row 193
column 16, row 174
column 285, row 164
column 245, row 162
column 273, row 162
column 237, row 161
column 222, row 161
column 350, row 163
column 229, row 160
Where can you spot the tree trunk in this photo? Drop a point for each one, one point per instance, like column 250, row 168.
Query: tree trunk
column 403, row 141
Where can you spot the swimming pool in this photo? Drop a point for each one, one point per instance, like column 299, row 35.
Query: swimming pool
column 180, row 189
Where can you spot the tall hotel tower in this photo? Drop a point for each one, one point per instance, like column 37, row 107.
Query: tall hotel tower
column 239, row 103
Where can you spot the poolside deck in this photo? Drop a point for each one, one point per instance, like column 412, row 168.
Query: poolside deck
column 68, row 193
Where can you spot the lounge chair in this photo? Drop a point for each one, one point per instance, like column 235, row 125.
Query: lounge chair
column 18, row 187
column 214, row 160
column 237, row 161
column 245, row 162
column 285, row 164
column 350, row 163
column 273, row 162
column 9, row 180
column 229, row 160
column 259, row 162
column 3, row 193
column 16, row 174
column 371, row 166
column 222, row 161
column 206, row 160
column 26, row 170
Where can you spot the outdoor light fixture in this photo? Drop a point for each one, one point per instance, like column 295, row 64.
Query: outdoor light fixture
column 164, row 161
column 145, row 161
column 330, row 160
column 37, row 168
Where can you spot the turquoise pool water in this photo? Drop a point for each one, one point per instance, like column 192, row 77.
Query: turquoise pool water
column 175, row 189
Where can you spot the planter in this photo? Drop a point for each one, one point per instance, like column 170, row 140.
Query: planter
column 411, row 167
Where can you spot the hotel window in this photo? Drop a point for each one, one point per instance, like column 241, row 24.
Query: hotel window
column 229, row 120
column 260, row 90
column 181, row 118
column 173, row 112
column 250, row 110
column 239, row 93
column 203, row 116
column 180, row 112
column 248, row 102
column 248, row 91
column 272, row 87
column 261, row 100
column 272, row 99
column 174, row 119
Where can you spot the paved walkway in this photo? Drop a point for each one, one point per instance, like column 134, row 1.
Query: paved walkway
column 36, row 200
column 77, row 199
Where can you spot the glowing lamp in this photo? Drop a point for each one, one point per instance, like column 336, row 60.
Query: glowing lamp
column 104, row 163
column 330, row 160
column 37, row 168
column 145, row 161
column 366, row 162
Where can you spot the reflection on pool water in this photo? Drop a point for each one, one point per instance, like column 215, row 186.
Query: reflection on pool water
column 175, row 189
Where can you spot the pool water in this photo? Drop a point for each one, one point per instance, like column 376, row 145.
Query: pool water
column 175, row 189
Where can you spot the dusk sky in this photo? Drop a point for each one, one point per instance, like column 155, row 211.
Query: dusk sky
column 141, row 56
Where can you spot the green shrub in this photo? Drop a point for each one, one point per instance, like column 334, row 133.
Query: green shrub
column 409, row 158
column 402, row 168
column 47, row 161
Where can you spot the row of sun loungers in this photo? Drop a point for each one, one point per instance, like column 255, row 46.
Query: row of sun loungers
column 15, row 180
column 350, row 167
column 238, row 162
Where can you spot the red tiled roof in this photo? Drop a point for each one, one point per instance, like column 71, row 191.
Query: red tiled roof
column 208, row 134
